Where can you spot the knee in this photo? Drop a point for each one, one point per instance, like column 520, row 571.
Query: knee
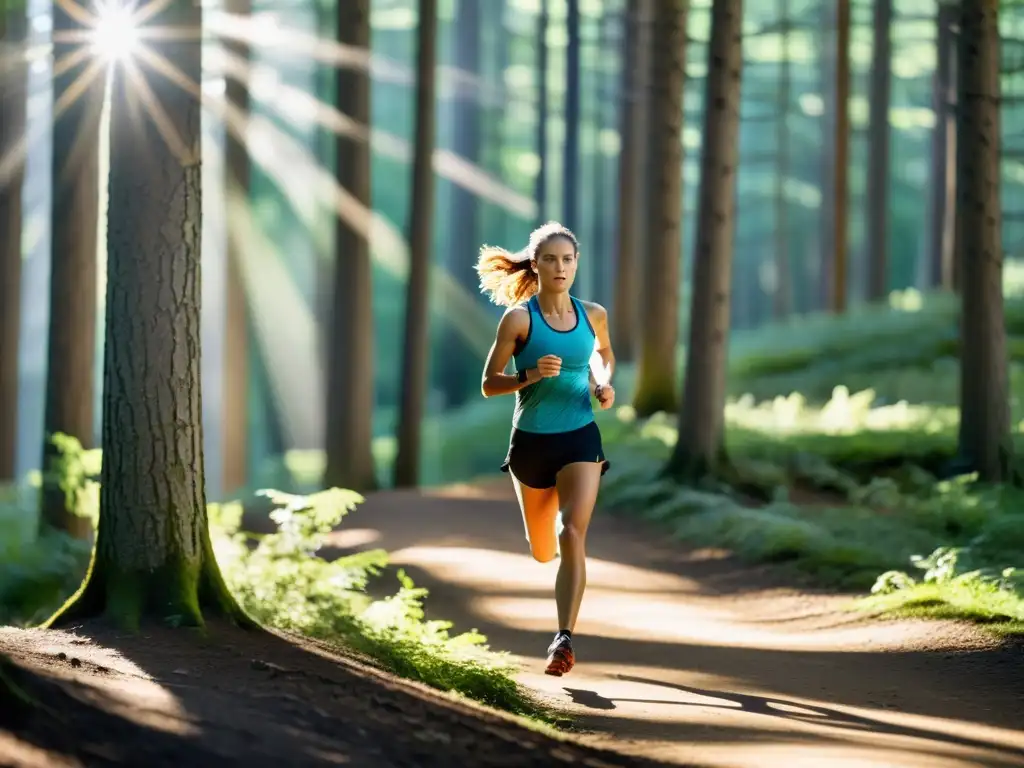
column 543, row 552
column 543, row 556
column 571, row 536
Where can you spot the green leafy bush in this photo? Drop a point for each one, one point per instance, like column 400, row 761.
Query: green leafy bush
column 281, row 583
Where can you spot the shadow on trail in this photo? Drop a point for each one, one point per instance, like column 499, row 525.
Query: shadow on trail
column 172, row 697
column 787, row 710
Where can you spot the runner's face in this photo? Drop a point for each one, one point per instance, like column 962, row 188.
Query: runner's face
column 556, row 265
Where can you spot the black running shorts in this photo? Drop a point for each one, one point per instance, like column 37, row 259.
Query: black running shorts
column 536, row 458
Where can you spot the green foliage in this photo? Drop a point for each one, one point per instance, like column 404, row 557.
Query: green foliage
column 906, row 349
column 859, row 529
column 38, row 571
column 281, row 580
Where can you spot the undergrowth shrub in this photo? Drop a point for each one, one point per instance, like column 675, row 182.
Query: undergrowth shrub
column 864, row 530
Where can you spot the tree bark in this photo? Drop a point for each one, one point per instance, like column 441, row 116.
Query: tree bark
column 625, row 308
column 414, row 356
column 878, row 153
column 153, row 556
column 235, row 384
column 541, row 182
column 71, row 350
column 985, row 437
column 350, row 374
column 842, row 154
column 13, row 95
column 701, row 418
column 782, row 297
column 827, row 218
column 571, row 154
column 659, row 326
column 942, row 191
column 459, row 371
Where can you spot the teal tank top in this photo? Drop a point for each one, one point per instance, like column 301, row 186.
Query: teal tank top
column 559, row 403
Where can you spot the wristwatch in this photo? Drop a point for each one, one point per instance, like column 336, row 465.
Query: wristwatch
column 521, row 376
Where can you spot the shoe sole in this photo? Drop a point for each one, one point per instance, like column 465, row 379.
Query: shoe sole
column 560, row 663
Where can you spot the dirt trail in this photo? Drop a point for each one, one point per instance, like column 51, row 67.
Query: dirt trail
column 690, row 658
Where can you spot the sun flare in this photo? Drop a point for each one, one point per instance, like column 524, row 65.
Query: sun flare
column 115, row 36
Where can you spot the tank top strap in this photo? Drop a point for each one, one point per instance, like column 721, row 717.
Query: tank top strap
column 581, row 312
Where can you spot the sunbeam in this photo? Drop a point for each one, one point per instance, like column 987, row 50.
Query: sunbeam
column 115, row 34
column 304, row 183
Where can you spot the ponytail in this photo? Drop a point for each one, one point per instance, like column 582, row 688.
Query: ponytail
column 506, row 277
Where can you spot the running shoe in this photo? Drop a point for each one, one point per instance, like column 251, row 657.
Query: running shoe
column 561, row 658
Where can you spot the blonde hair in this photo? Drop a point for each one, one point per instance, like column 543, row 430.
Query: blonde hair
column 507, row 277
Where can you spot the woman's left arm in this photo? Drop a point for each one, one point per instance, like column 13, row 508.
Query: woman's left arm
column 598, row 317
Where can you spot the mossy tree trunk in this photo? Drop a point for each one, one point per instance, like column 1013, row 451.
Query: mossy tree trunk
column 659, row 320
column 350, row 369
column 701, row 417
column 13, row 95
column 153, row 556
column 71, row 350
column 414, row 355
column 878, row 152
column 985, row 437
column 625, row 307
column 235, row 385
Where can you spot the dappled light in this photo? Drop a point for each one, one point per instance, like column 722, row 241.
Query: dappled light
column 651, row 373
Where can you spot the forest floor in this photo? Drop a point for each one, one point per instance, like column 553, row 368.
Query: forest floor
column 684, row 658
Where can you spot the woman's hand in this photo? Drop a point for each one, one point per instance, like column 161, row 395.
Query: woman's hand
column 605, row 395
column 549, row 365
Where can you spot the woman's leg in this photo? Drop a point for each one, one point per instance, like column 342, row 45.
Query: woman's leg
column 577, row 486
column 540, row 514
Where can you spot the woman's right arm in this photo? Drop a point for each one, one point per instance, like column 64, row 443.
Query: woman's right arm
column 514, row 325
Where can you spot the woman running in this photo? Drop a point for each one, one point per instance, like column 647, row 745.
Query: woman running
column 555, row 455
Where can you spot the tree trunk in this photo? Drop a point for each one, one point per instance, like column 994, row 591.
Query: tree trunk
column 842, row 155
column 71, row 349
column 571, row 155
column 459, row 370
column 827, row 218
column 625, row 311
column 153, row 556
column 350, row 374
column 942, row 191
column 782, row 297
column 541, row 183
column 985, row 438
column 597, row 263
column 414, row 355
column 13, row 95
column 659, row 324
column 235, row 384
column 701, row 417
column 878, row 154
